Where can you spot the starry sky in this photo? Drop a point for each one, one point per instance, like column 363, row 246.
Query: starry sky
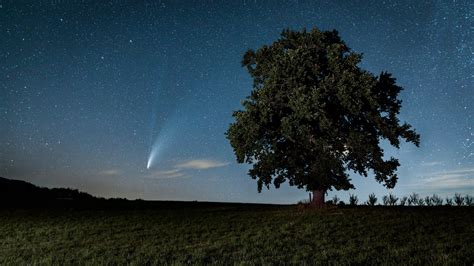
column 132, row 98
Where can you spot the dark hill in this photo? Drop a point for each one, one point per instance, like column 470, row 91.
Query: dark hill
column 16, row 193
column 21, row 193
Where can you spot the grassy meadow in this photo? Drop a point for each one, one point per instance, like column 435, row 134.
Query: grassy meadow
column 211, row 233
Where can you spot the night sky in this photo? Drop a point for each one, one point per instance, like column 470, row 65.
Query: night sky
column 92, row 93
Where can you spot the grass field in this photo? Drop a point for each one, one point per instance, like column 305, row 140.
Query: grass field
column 199, row 233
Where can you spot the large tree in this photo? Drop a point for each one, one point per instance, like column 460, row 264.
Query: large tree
column 313, row 115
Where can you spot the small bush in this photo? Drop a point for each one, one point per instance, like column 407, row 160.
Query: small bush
column 421, row 202
column 390, row 200
column 458, row 199
column 449, row 202
column 353, row 199
column 436, row 200
column 414, row 200
column 403, row 201
column 335, row 199
column 372, row 200
column 469, row 201
column 428, row 201
column 385, row 200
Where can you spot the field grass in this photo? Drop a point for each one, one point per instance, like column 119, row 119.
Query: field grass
column 244, row 234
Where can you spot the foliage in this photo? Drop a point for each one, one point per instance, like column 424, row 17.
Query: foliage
column 227, row 234
column 420, row 202
column 353, row 199
column 372, row 200
column 458, row 199
column 415, row 200
column 390, row 200
column 436, row 200
column 403, row 201
column 335, row 199
column 469, row 201
column 428, row 201
column 314, row 114
column 385, row 200
column 449, row 201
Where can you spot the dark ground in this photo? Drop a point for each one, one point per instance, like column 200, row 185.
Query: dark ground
column 139, row 232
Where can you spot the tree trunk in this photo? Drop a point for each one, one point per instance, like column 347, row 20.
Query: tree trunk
column 318, row 198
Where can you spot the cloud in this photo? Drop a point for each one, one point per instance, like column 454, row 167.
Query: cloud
column 167, row 174
column 200, row 164
column 462, row 179
column 179, row 170
column 109, row 172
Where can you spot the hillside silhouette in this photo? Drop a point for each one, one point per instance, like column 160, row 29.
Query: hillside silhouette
column 18, row 193
column 21, row 193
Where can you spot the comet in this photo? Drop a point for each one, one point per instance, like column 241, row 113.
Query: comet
column 154, row 153
column 165, row 120
column 150, row 160
column 162, row 142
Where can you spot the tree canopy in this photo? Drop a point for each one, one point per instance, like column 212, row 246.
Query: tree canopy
column 313, row 115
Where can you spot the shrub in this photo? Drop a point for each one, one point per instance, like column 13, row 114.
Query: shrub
column 392, row 199
column 468, row 200
column 428, row 201
column 421, row 202
column 372, row 200
column 449, row 202
column 403, row 201
column 353, row 199
column 385, row 200
column 414, row 200
column 335, row 199
column 458, row 199
column 436, row 200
